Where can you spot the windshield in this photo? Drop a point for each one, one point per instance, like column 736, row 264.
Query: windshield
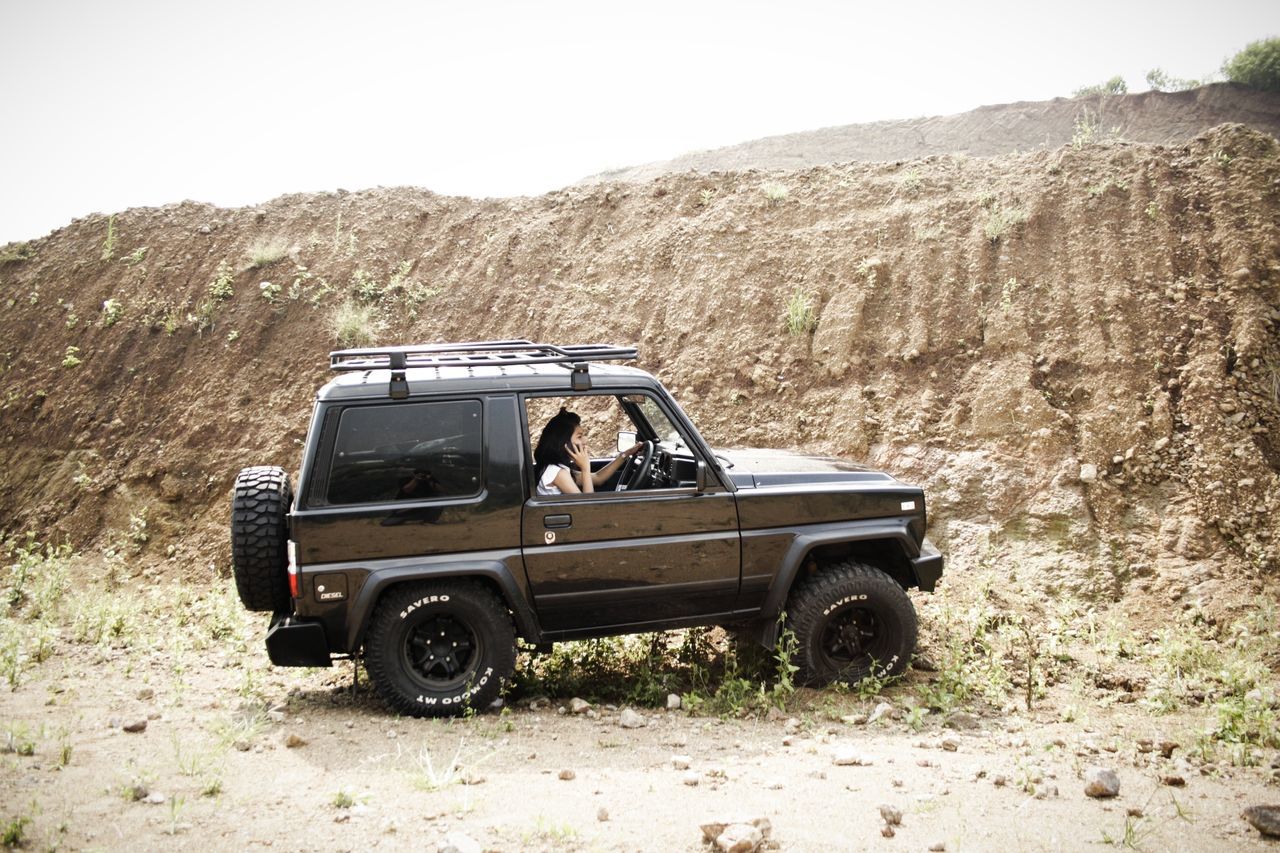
column 667, row 433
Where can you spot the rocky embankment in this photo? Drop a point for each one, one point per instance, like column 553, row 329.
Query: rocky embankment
column 1074, row 350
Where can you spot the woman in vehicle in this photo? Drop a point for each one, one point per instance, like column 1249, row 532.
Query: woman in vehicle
column 561, row 458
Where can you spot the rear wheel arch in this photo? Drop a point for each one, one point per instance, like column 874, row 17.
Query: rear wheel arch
column 495, row 578
column 437, row 647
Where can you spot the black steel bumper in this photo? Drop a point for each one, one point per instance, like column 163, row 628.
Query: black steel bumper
column 928, row 566
column 291, row 642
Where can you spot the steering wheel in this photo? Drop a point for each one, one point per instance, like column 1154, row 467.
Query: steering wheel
column 636, row 472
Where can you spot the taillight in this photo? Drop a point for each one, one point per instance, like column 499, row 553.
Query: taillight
column 293, row 568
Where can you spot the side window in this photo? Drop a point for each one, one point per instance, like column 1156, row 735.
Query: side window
column 418, row 451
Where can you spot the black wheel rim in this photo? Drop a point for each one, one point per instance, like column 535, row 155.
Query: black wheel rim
column 851, row 640
column 441, row 652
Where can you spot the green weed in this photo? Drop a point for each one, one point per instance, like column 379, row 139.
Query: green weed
column 14, row 831
column 14, row 253
column 135, row 257
column 220, row 289
column 1001, row 220
column 111, row 311
column 71, row 357
column 109, row 244
column 799, row 315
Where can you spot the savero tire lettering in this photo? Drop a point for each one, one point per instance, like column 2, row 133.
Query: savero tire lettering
column 426, row 599
column 842, row 602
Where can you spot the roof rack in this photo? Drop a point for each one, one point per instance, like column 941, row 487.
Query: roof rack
column 476, row 354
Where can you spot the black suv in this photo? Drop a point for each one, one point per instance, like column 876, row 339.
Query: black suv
column 418, row 539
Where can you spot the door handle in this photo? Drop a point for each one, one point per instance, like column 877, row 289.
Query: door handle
column 556, row 522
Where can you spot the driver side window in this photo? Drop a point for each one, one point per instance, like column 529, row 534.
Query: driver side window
column 603, row 418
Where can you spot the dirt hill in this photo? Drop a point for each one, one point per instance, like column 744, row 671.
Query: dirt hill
column 1162, row 118
column 1074, row 350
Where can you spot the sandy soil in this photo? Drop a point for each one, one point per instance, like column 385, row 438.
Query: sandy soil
column 214, row 768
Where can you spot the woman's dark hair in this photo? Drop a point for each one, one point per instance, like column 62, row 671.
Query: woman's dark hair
column 551, row 444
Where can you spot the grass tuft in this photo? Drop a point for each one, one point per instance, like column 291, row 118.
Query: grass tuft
column 267, row 251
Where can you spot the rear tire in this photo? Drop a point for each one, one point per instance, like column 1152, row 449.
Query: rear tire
column 260, row 536
column 852, row 621
column 435, row 649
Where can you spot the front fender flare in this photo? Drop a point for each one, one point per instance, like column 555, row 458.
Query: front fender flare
column 894, row 530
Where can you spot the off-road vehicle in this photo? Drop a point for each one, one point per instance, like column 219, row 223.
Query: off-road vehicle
column 417, row 539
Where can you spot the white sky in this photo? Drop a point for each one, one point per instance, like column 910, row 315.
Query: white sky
column 108, row 105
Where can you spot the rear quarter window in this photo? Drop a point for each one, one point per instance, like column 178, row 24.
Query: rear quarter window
column 414, row 451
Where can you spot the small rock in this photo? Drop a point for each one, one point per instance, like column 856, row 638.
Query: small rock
column 950, row 744
column 1101, row 782
column 963, row 721
column 1173, row 781
column 602, row 814
column 472, row 777
column 892, row 815
column 887, row 831
column 293, row 741
column 460, row 842
column 884, row 709
column 136, row 726
column 791, row 725
column 275, row 716
column 681, row 762
column 629, row 719
column 854, row 719
column 1088, row 472
column 579, row 706
column 1134, row 811
column 567, row 775
column 146, row 694
column 242, row 745
column 1265, row 819
column 739, row 838
column 847, row 756
column 1000, row 781
column 155, row 798
column 673, row 702
column 938, row 847
column 690, row 778
column 136, row 790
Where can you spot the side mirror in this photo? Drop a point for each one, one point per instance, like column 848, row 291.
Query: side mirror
column 626, row 440
column 700, row 479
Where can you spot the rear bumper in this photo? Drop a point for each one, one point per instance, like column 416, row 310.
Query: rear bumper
column 291, row 642
column 928, row 566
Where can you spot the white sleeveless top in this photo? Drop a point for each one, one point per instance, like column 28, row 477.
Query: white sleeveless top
column 546, row 483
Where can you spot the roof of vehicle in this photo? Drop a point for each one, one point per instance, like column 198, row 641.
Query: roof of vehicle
column 374, row 383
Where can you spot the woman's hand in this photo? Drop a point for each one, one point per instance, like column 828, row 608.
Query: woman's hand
column 580, row 455
column 631, row 451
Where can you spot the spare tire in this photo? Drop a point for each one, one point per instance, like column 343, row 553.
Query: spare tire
column 259, row 537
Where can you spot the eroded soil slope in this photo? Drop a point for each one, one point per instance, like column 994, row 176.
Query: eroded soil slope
column 1074, row 350
column 1162, row 118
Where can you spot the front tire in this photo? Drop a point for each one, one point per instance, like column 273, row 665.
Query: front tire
column 852, row 621
column 435, row 649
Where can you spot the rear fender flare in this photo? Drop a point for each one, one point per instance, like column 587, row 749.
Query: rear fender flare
column 491, row 570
